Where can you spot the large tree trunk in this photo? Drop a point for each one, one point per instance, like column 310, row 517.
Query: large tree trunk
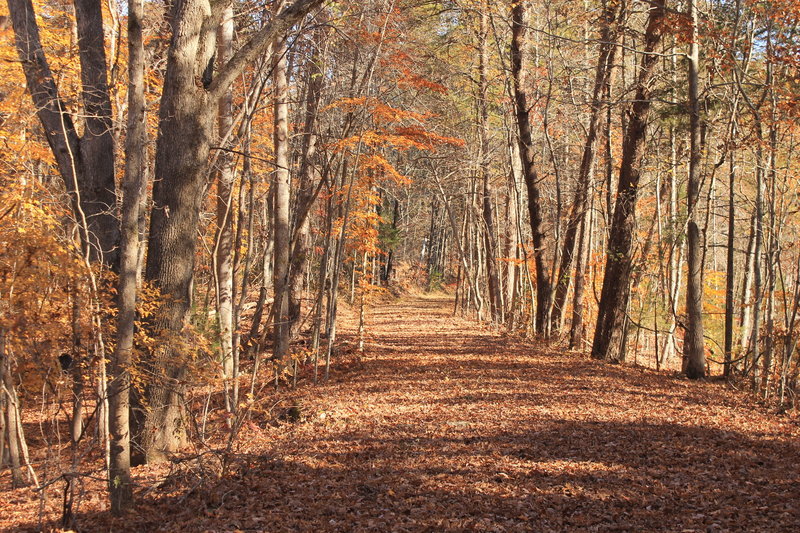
column 609, row 334
column 188, row 107
column 605, row 66
column 134, row 191
column 185, row 130
column 693, row 342
column 527, row 154
column 86, row 164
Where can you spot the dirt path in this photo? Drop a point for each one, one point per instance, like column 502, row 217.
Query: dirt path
column 447, row 426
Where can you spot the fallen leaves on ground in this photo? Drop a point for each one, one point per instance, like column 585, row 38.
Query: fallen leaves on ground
column 449, row 426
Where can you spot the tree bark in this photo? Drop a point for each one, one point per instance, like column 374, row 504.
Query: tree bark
column 226, row 172
column 527, row 154
column 85, row 164
column 281, row 183
column 488, row 229
column 693, row 341
column 609, row 335
column 188, row 107
column 730, row 273
column 134, row 191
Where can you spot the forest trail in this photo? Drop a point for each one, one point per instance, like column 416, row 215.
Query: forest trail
column 449, row 426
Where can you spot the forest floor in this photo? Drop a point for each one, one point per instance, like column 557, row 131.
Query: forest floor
column 446, row 425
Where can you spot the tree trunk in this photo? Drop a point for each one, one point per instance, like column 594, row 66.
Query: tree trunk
column 693, row 341
column 490, row 244
column 188, row 107
column 527, row 154
column 11, row 406
column 281, row 184
column 609, row 335
column 226, row 172
column 85, row 164
column 605, row 67
column 306, row 193
column 730, row 274
column 134, row 190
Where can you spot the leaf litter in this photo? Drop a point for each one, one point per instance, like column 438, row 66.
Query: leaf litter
column 445, row 425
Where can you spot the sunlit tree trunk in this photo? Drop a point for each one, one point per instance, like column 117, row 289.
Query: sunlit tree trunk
column 281, row 184
column 223, row 245
column 694, row 342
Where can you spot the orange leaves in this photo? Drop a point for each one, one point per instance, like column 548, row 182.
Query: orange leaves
column 428, row 139
column 380, row 112
column 390, row 131
column 411, row 79
column 378, row 164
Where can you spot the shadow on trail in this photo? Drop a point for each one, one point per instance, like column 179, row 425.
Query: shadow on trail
column 448, row 430
column 556, row 475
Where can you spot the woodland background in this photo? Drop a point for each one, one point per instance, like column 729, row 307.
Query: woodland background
column 193, row 192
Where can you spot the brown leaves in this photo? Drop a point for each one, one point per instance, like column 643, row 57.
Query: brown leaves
column 448, row 426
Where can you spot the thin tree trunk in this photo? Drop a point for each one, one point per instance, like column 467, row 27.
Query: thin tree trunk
column 223, row 242
column 576, row 327
column 694, row 342
column 281, row 183
column 488, row 229
column 134, row 191
column 11, row 404
column 730, row 273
